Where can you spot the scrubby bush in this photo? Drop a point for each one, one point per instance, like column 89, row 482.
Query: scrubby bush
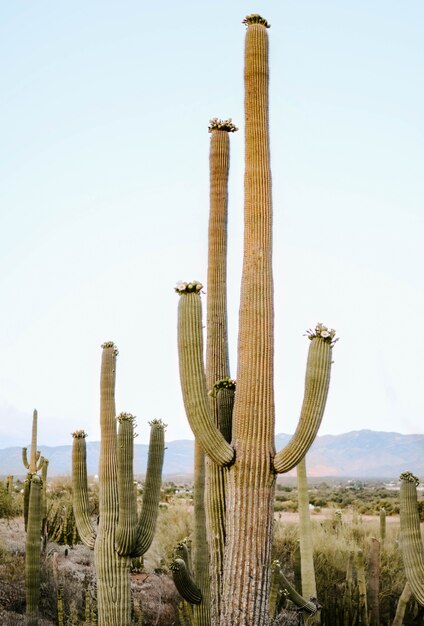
column 10, row 503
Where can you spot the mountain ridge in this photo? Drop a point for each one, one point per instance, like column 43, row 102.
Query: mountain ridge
column 360, row 453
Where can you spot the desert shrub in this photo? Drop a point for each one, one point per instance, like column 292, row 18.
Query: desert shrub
column 10, row 504
column 174, row 524
column 335, row 539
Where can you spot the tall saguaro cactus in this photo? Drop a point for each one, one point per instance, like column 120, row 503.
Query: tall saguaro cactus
column 123, row 533
column 249, row 458
column 410, row 536
column 35, row 507
column 217, row 359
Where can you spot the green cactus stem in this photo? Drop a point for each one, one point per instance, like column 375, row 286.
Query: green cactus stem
column 286, row 589
column 362, row 588
column 193, row 379
column 192, row 580
column 9, row 484
column 404, row 598
column 317, row 381
column 217, row 359
column 122, row 534
column 60, row 612
column 374, row 582
column 382, row 524
column 410, row 536
column 80, row 489
column 184, row 582
column 309, row 587
column 33, row 550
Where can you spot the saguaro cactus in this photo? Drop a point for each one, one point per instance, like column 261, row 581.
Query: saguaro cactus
column 410, row 536
column 122, row 533
column 250, row 458
column 34, row 517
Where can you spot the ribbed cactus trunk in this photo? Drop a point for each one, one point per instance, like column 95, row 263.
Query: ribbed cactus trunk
column 112, row 570
column 410, row 536
column 251, row 480
column 217, row 360
column 33, row 551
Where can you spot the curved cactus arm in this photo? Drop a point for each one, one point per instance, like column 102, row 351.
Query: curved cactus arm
column 306, row 605
column 80, row 489
column 317, row 381
column 27, row 490
column 404, row 598
column 127, row 522
column 39, row 461
column 192, row 375
column 410, row 536
column 184, row 583
column 152, row 487
column 25, row 458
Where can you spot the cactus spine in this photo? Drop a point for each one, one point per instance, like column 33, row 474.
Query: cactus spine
column 250, row 458
column 410, row 536
column 122, row 533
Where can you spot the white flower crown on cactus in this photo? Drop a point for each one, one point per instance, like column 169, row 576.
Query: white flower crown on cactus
column 216, row 124
column 193, row 287
column 321, row 331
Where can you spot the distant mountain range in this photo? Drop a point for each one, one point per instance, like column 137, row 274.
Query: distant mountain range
column 357, row 454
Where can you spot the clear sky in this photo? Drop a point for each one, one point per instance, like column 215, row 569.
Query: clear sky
column 104, row 108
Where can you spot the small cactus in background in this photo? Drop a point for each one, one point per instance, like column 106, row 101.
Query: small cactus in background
column 249, row 458
column 374, row 582
column 34, row 519
column 382, row 524
column 122, row 533
column 9, row 484
column 410, row 536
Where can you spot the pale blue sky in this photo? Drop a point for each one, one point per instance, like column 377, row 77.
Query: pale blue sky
column 104, row 197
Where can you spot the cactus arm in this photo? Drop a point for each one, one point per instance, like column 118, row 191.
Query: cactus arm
column 25, row 458
column 152, row 486
column 40, row 462
column 32, row 550
column 127, row 524
column 33, row 458
column 294, row 596
column 410, row 536
column 404, row 598
column 27, row 490
column 184, row 582
column 317, row 381
column 193, row 381
column 80, row 489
